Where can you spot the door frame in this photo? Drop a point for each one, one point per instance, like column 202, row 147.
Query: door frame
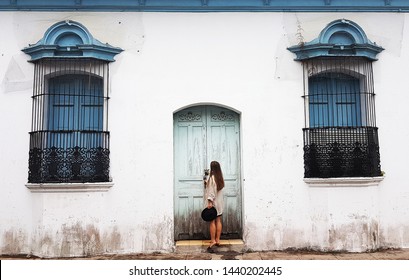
column 240, row 169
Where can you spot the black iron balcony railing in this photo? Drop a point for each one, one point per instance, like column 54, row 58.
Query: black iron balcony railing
column 60, row 162
column 341, row 152
column 69, row 138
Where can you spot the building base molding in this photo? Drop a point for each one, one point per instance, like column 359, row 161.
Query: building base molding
column 344, row 182
column 69, row 187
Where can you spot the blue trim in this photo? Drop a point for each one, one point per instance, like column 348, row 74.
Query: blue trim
column 70, row 39
column 208, row 5
column 339, row 38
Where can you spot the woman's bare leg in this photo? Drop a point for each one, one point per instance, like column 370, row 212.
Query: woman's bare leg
column 219, row 226
column 212, row 228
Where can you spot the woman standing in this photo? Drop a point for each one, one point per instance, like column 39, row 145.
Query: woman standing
column 214, row 196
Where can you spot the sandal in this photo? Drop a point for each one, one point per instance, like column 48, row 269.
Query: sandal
column 210, row 248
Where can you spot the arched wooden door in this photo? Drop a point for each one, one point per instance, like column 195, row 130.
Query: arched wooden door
column 203, row 134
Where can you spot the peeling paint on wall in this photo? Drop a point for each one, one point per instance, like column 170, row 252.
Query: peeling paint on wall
column 15, row 78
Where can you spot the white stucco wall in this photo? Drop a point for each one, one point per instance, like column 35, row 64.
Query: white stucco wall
column 174, row 60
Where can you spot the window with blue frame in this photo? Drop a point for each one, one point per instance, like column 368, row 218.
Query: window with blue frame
column 334, row 101
column 76, row 111
column 340, row 133
column 69, row 139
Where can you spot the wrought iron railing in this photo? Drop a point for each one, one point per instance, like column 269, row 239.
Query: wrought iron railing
column 340, row 134
column 68, row 163
column 341, row 152
column 69, row 138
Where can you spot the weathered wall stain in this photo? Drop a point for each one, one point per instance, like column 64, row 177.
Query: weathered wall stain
column 15, row 242
column 157, row 237
column 75, row 240
column 46, row 245
column 89, row 240
column 79, row 240
column 355, row 236
column 359, row 235
column 70, row 240
column 112, row 241
column 394, row 236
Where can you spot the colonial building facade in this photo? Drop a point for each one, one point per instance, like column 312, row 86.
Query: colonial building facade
column 112, row 110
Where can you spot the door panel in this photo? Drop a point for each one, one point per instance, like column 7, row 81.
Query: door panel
column 223, row 146
column 203, row 134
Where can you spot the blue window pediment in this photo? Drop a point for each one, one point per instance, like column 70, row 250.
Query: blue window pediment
column 339, row 38
column 70, row 39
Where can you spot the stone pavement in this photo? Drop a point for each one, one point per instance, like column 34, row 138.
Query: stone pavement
column 395, row 254
column 227, row 254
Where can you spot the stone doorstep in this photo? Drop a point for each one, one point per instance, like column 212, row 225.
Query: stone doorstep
column 197, row 246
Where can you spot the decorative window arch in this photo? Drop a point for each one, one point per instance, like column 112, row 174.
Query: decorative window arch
column 70, row 39
column 69, row 139
column 339, row 38
column 340, row 133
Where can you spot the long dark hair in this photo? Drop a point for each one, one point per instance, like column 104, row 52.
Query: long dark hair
column 216, row 171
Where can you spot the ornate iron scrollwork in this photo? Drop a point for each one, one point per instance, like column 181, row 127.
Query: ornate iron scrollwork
column 190, row 117
column 348, row 159
column 57, row 165
column 222, row 116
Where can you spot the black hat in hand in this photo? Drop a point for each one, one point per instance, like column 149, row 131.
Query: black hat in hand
column 209, row 214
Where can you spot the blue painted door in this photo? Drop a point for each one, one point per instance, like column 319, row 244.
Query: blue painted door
column 203, row 134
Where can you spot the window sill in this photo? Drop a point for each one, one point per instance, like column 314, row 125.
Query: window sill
column 69, row 187
column 344, row 182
